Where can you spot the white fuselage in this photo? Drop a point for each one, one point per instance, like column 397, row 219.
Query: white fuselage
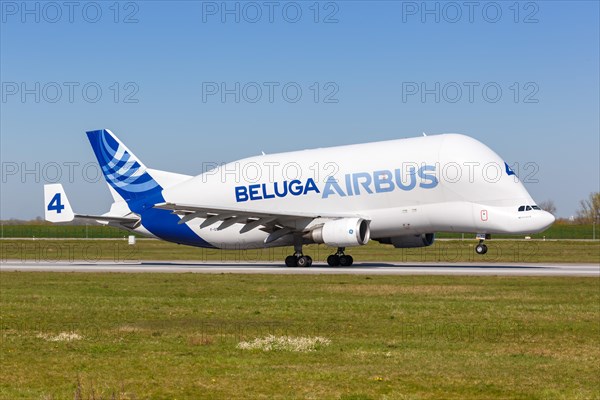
column 442, row 183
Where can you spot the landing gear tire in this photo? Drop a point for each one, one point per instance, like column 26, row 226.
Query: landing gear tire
column 481, row 249
column 304, row 261
column 298, row 261
column 346, row 261
column 340, row 259
column 291, row 261
column 333, row 260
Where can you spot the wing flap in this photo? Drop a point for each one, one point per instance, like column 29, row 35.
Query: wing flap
column 249, row 219
column 185, row 209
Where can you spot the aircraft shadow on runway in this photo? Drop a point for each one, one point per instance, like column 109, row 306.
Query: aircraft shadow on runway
column 369, row 265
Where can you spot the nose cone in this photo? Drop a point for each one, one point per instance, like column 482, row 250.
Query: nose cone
column 528, row 221
column 540, row 221
column 546, row 219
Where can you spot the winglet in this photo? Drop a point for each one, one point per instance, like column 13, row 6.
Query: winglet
column 56, row 204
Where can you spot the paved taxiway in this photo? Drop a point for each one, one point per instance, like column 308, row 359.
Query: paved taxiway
column 367, row 268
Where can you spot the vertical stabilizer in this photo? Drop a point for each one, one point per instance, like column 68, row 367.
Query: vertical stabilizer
column 123, row 171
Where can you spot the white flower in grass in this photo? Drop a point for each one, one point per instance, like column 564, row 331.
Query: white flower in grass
column 61, row 337
column 285, row 343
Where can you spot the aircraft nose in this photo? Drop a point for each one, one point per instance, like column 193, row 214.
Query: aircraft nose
column 546, row 219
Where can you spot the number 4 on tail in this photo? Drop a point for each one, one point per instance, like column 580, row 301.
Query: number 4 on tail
column 57, row 208
column 55, row 204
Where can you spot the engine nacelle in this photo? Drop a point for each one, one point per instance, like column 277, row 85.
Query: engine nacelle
column 409, row 241
column 343, row 232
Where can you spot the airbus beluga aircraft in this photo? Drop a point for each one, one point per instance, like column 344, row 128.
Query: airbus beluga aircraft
column 397, row 192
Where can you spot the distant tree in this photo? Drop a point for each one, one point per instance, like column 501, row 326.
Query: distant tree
column 590, row 209
column 548, row 205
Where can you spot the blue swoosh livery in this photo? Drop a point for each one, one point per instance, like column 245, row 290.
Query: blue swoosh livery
column 127, row 175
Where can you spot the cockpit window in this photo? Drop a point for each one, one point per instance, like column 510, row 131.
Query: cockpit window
column 529, row 208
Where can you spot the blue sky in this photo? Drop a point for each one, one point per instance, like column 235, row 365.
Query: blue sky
column 364, row 58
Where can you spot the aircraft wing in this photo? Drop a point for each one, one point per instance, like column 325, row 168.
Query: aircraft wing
column 277, row 223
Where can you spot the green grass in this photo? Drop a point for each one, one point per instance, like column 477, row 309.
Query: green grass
column 515, row 251
column 559, row 230
column 556, row 231
column 62, row 231
column 175, row 336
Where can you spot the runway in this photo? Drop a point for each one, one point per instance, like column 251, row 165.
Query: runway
column 216, row 267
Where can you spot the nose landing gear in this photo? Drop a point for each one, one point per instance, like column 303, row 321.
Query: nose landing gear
column 482, row 248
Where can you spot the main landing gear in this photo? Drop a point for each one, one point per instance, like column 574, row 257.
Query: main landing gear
column 481, row 248
column 340, row 259
column 298, row 259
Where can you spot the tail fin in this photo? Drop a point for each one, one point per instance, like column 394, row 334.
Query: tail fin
column 127, row 177
column 57, row 206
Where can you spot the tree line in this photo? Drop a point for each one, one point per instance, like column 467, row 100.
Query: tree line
column 588, row 212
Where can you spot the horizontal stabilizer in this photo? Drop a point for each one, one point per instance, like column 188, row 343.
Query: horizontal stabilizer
column 108, row 218
column 58, row 209
column 131, row 222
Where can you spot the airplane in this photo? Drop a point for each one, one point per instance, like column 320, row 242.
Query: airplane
column 398, row 192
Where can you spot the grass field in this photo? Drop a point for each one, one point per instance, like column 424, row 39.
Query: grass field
column 62, row 231
column 449, row 251
column 163, row 336
column 556, row 231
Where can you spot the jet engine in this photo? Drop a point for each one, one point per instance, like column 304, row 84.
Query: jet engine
column 343, row 232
